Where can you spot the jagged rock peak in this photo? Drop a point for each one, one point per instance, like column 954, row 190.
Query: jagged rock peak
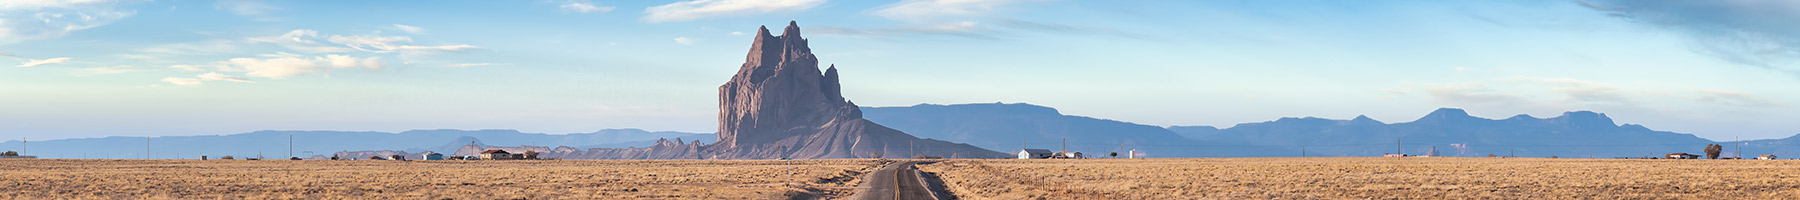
column 792, row 30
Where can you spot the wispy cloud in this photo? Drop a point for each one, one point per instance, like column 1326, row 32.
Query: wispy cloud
column 1758, row 33
column 685, row 40
column 38, row 62
column 410, row 29
column 22, row 20
column 183, row 81
column 701, row 9
column 215, row 76
column 583, row 7
column 283, row 65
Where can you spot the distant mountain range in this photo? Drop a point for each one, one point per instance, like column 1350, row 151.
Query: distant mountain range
column 1008, row 127
column 274, row 144
column 1452, row 132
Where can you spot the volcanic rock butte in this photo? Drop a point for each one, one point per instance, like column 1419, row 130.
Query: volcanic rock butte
column 779, row 105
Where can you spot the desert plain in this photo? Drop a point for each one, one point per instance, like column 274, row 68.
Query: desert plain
column 1167, row 178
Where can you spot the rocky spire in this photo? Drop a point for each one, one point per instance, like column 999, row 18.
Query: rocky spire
column 833, row 92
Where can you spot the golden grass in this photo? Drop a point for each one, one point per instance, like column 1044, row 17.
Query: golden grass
column 324, row 179
column 1365, row 178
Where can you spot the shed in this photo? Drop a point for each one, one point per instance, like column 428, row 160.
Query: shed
column 433, row 156
column 1034, row 153
column 1765, row 157
column 495, row 155
column 1681, row 156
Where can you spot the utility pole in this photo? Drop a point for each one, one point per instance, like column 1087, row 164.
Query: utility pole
column 1510, row 151
column 1739, row 147
column 146, row 148
column 26, row 143
column 912, row 149
column 1065, row 145
column 1398, row 149
column 1302, row 151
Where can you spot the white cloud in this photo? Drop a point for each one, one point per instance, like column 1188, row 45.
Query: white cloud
column 283, row 65
column 340, row 61
column 373, row 63
column 37, row 62
column 916, row 10
column 188, row 67
column 735, row 33
column 699, row 9
column 183, row 81
column 586, row 7
column 410, row 29
column 215, row 76
column 279, row 67
column 685, row 40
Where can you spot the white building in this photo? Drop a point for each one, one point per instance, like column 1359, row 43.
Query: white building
column 1035, row 153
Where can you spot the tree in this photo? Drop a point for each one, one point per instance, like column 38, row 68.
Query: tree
column 9, row 153
column 1114, row 154
column 1712, row 151
column 1490, row 155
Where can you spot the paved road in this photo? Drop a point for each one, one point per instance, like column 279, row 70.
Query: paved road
column 898, row 180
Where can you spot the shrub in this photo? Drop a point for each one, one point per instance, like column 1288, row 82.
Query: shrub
column 1712, row 151
column 9, row 153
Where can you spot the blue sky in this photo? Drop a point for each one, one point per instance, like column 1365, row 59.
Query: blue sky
column 95, row 68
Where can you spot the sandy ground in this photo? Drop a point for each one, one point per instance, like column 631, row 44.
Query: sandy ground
column 324, row 179
column 1370, row 178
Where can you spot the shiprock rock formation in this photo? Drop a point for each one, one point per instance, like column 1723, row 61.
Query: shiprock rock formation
column 779, row 105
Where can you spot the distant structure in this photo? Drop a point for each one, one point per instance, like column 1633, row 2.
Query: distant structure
column 1681, row 156
column 1034, row 154
column 1765, row 157
column 495, row 154
column 432, row 156
column 1394, row 155
column 397, row 157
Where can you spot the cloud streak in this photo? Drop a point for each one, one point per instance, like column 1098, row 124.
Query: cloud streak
column 38, row 62
column 701, row 9
column 586, row 8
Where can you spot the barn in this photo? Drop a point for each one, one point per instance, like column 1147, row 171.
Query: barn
column 1035, row 154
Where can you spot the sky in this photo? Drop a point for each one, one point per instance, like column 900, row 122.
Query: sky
column 97, row 68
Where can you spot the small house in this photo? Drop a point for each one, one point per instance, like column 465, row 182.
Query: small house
column 1681, row 156
column 432, row 156
column 396, row 157
column 1765, row 157
column 1034, row 153
column 495, row 155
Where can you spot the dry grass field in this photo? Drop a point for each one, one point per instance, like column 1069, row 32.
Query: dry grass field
column 1365, row 178
column 324, row 179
